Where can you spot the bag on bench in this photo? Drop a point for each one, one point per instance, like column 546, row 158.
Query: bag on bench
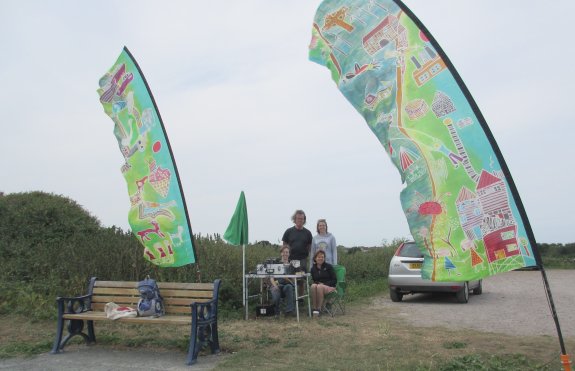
column 151, row 302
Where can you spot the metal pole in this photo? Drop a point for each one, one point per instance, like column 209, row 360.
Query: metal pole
column 244, row 273
column 564, row 355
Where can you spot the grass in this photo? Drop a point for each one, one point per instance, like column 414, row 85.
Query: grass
column 368, row 337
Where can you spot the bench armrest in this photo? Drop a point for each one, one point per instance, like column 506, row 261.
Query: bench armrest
column 207, row 311
column 75, row 304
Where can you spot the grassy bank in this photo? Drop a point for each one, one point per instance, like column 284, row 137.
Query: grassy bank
column 50, row 246
column 368, row 337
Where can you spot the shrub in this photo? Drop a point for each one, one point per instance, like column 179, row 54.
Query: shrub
column 51, row 246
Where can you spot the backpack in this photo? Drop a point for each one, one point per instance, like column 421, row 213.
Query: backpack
column 151, row 302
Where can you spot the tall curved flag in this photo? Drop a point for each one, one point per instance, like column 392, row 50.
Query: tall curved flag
column 158, row 214
column 461, row 204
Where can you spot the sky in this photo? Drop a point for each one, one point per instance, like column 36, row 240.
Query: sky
column 244, row 109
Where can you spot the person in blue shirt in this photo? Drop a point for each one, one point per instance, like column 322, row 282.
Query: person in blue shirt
column 283, row 287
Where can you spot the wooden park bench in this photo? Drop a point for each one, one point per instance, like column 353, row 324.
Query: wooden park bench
column 194, row 304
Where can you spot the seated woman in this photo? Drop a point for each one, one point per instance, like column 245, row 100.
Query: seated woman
column 324, row 281
column 283, row 287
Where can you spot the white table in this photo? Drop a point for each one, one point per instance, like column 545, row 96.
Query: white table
column 261, row 277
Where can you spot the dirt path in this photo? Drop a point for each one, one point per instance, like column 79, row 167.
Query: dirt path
column 512, row 303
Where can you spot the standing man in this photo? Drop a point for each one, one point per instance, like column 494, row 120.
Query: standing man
column 298, row 239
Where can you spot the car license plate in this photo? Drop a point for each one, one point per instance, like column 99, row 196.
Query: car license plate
column 414, row 265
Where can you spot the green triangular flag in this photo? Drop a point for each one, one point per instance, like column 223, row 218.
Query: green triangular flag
column 237, row 232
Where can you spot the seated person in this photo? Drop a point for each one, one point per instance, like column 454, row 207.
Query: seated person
column 283, row 287
column 324, row 281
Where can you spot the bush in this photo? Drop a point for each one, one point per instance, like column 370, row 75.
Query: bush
column 50, row 246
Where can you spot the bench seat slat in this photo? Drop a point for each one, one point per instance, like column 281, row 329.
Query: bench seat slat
column 101, row 316
column 184, row 301
column 166, row 285
column 185, row 294
column 165, row 292
column 186, row 286
column 115, row 299
column 115, row 291
column 126, row 284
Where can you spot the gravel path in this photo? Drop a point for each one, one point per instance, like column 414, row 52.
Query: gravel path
column 512, row 303
column 96, row 358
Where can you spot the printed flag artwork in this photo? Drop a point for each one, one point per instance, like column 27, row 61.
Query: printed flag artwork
column 460, row 201
column 158, row 215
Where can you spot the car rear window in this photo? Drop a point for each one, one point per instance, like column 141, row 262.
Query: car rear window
column 410, row 250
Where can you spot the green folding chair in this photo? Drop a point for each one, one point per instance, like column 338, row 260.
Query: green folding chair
column 335, row 301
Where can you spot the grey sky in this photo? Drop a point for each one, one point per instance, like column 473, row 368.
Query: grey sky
column 244, row 109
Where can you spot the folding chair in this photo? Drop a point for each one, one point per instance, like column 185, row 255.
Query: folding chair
column 335, row 301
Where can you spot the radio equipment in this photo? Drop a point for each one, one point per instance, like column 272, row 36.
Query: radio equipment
column 275, row 266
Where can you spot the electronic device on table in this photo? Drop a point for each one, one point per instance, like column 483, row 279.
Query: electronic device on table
column 275, row 266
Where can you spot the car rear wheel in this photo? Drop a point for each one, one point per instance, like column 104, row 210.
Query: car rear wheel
column 395, row 295
column 479, row 289
column 463, row 294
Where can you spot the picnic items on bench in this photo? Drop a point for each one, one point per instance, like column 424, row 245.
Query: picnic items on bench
column 194, row 304
column 114, row 311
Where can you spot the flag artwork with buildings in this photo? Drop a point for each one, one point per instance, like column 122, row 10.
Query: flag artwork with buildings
column 158, row 215
column 461, row 204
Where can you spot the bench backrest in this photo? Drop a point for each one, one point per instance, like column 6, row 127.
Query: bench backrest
column 177, row 296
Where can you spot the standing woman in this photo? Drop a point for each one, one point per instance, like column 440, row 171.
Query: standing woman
column 324, row 281
column 324, row 241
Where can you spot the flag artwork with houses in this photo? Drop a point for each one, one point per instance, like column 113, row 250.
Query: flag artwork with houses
column 459, row 199
column 158, row 214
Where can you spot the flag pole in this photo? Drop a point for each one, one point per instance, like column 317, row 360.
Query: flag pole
column 244, row 273
column 566, row 363
column 237, row 234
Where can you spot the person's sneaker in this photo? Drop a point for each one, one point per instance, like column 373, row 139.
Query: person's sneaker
column 316, row 314
column 289, row 314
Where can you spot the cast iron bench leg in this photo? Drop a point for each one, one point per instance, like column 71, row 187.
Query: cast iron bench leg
column 215, row 340
column 193, row 348
column 58, row 339
column 91, row 333
column 75, row 327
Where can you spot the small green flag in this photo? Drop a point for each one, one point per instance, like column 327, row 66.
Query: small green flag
column 237, row 232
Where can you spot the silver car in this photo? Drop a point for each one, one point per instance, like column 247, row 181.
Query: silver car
column 405, row 277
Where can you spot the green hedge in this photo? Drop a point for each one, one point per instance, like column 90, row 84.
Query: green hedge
column 51, row 246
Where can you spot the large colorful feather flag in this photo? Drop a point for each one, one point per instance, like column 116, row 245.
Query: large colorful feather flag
column 158, row 214
column 460, row 201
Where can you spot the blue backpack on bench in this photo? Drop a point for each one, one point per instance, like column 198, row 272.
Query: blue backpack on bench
column 151, row 303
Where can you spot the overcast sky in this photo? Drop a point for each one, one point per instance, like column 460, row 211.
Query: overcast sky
column 245, row 109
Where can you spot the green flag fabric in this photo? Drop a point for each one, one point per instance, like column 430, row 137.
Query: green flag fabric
column 158, row 215
column 461, row 204
column 237, row 231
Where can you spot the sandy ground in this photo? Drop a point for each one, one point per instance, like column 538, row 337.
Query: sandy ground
column 512, row 303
